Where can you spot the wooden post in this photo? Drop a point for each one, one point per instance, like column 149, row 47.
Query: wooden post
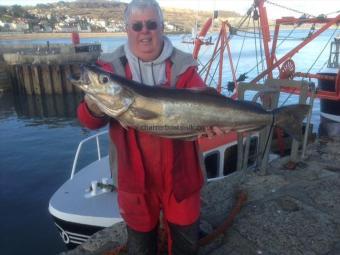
column 60, row 105
column 18, row 74
column 36, row 80
column 46, row 79
column 66, row 75
column 75, row 69
column 19, row 101
column 71, row 105
column 30, row 106
column 39, row 106
column 21, row 105
column 14, row 79
column 79, row 97
column 27, row 80
column 56, row 80
column 50, row 106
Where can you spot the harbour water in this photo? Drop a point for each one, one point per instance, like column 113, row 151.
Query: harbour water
column 39, row 136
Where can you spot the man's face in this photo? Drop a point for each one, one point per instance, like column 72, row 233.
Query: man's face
column 147, row 43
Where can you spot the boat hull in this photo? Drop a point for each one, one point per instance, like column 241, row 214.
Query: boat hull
column 329, row 109
column 70, row 232
column 79, row 212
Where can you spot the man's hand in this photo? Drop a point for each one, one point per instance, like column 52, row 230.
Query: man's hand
column 93, row 107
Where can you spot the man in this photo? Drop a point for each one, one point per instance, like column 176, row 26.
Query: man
column 154, row 174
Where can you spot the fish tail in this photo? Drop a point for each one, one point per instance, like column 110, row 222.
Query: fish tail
column 290, row 118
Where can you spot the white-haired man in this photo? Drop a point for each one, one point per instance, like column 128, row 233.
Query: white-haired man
column 154, row 174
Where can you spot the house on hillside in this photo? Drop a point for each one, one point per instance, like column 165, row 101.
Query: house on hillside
column 112, row 29
column 115, row 26
column 20, row 26
column 17, row 26
column 98, row 23
column 66, row 28
column 84, row 28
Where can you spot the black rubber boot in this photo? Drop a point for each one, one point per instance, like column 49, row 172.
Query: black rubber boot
column 142, row 243
column 184, row 238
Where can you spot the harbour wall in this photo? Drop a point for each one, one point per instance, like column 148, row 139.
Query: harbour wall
column 44, row 69
column 4, row 78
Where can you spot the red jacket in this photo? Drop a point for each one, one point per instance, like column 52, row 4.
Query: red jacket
column 140, row 152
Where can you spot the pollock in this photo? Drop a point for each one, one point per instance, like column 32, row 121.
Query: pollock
column 181, row 113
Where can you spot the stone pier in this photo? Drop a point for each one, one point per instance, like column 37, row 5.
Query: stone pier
column 288, row 212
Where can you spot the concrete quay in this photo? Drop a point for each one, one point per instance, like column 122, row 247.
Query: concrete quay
column 288, row 212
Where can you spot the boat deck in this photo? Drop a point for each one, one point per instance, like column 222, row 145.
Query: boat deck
column 287, row 211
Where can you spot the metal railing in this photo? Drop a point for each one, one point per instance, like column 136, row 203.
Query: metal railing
column 75, row 161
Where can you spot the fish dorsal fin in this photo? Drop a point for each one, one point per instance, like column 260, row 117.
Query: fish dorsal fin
column 206, row 90
column 143, row 114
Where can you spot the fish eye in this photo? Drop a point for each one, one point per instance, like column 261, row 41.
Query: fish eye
column 103, row 78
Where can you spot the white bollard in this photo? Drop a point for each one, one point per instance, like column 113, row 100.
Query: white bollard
column 94, row 187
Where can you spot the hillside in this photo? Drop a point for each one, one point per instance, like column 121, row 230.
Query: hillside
column 184, row 19
column 187, row 18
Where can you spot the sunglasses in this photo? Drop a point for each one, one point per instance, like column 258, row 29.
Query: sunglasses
column 149, row 24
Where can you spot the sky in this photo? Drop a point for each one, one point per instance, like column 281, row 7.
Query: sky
column 314, row 7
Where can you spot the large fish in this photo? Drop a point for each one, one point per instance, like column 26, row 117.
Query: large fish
column 181, row 113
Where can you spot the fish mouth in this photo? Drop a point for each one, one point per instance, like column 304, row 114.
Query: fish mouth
column 91, row 78
column 81, row 79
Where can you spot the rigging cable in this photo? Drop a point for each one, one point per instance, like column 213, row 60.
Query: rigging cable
column 245, row 17
column 283, row 40
column 327, row 14
column 241, row 50
column 224, row 46
column 289, row 9
column 290, row 94
column 323, row 66
column 329, row 40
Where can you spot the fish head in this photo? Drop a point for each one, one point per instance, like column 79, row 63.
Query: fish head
column 94, row 80
column 109, row 95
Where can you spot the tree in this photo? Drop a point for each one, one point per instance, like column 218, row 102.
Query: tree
column 53, row 21
column 17, row 11
column 42, row 6
column 3, row 10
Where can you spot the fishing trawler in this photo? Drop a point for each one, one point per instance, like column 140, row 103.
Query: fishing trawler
column 87, row 202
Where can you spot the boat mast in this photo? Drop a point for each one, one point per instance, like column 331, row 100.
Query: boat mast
column 265, row 33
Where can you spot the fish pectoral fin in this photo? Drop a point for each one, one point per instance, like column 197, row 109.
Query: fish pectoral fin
column 143, row 114
column 123, row 124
